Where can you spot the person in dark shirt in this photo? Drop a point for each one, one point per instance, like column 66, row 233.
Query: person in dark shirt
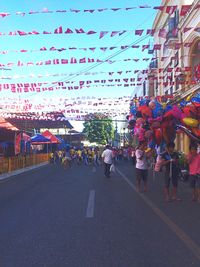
column 171, row 168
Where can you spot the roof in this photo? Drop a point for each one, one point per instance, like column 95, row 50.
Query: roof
column 7, row 125
column 30, row 121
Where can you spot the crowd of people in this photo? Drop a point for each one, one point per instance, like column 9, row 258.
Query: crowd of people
column 144, row 159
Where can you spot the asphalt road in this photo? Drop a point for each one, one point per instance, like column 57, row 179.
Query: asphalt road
column 78, row 218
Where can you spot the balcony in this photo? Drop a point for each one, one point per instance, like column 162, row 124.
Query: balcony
column 172, row 34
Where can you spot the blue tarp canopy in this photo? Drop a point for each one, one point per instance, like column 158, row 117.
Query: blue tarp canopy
column 39, row 139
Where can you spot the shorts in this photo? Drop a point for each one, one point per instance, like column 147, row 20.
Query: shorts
column 173, row 179
column 195, row 181
column 141, row 174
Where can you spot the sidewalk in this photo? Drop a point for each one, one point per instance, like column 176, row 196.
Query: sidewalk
column 20, row 171
column 185, row 214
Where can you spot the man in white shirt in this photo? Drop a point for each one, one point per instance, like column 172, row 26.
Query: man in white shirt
column 107, row 157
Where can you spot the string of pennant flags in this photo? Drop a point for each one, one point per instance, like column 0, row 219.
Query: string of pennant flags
column 152, row 48
column 138, row 32
column 169, row 9
column 138, row 82
column 83, row 60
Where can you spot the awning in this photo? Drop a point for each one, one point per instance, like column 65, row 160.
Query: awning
column 7, row 125
column 39, row 139
column 51, row 137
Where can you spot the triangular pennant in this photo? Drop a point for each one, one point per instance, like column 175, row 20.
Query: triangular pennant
column 79, row 31
column 185, row 9
column 102, row 34
column 68, row 31
column 114, row 33
column 139, row 32
column 58, row 30
column 91, row 32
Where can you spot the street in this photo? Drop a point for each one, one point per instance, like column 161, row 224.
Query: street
column 78, row 218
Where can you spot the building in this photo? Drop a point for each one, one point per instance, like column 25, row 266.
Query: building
column 177, row 52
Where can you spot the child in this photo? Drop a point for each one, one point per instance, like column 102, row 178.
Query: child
column 194, row 170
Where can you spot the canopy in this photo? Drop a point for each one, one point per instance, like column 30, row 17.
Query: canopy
column 26, row 137
column 39, row 139
column 51, row 137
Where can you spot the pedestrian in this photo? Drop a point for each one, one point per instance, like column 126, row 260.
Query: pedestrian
column 194, row 171
column 141, row 166
column 171, row 169
column 107, row 157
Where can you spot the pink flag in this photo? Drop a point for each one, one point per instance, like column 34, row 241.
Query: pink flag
column 82, row 60
column 139, row 32
column 102, row 34
column 114, row 33
column 48, row 62
column 23, row 50
column 3, row 15
column 91, row 32
column 91, row 60
column 56, row 61
column 145, row 47
column 52, row 48
column 150, row 31
column 73, row 60
column 68, row 31
column 185, row 9
column 21, row 33
column 79, row 31
column 12, row 33
column 92, row 49
column 170, row 9
column 157, row 47
column 45, row 32
column 58, row 30
column 34, row 33
column 162, row 33
column 43, row 48
column 33, row 12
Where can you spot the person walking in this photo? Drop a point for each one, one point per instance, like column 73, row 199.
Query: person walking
column 171, row 168
column 194, row 170
column 107, row 157
column 141, row 166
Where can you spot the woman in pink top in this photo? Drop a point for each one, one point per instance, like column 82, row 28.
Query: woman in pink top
column 194, row 169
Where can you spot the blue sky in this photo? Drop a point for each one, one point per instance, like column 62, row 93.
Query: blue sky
column 98, row 21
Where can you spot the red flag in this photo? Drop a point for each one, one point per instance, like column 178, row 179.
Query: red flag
column 68, row 31
column 17, row 143
column 103, row 48
column 139, row 32
column 12, row 33
column 112, row 47
column 79, row 31
column 161, row 8
column 75, row 10
column 52, row 48
column 48, row 62
column 102, row 9
column 3, row 15
column 56, row 61
column 59, row 30
column 135, row 46
column 91, row 60
column 43, row 48
column 185, row 9
column 102, row 34
column 170, row 9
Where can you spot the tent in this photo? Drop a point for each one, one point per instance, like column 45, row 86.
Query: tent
column 39, row 139
column 51, row 137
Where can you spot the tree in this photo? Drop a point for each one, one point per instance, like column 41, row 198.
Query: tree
column 98, row 128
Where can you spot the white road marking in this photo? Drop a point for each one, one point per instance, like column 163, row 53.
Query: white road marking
column 90, row 206
column 190, row 244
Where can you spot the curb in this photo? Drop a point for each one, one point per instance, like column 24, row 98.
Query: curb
column 17, row 172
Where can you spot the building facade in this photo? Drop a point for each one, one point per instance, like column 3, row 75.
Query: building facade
column 176, row 66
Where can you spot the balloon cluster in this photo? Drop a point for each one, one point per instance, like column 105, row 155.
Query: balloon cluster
column 157, row 120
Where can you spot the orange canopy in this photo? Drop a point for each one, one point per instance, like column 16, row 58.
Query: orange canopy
column 53, row 138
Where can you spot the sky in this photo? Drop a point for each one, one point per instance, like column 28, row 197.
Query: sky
column 98, row 21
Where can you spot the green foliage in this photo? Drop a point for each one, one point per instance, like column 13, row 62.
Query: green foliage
column 98, row 128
